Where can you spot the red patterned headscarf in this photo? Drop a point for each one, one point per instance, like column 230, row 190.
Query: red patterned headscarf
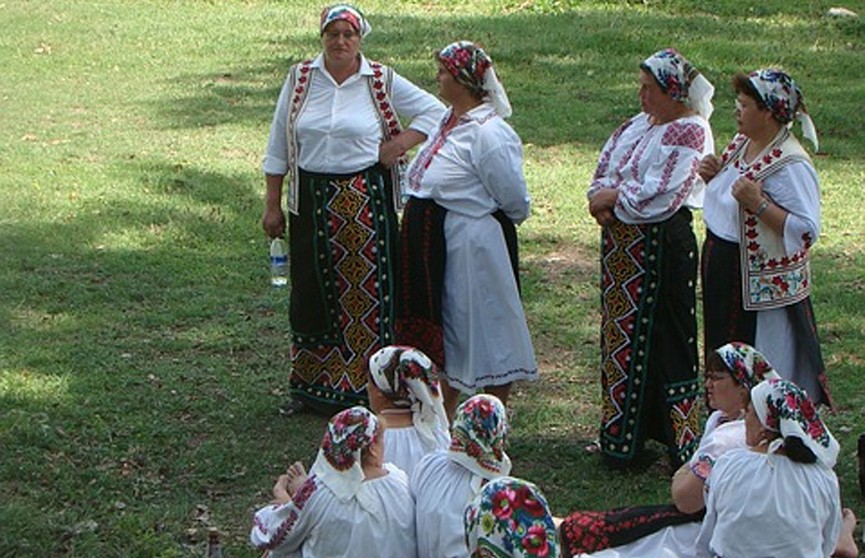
column 510, row 517
column 473, row 68
column 338, row 464
column 345, row 12
column 467, row 62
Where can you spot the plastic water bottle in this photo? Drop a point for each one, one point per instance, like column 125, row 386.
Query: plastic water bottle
column 278, row 262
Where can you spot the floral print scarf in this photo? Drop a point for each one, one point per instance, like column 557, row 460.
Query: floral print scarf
column 408, row 378
column 784, row 407
column 747, row 365
column 510, row 518
column 338, row 464
column 478, row 437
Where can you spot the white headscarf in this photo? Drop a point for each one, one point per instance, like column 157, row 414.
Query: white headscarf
column 680, row 80
column 345, row 12
column 784, row 99
column 784, row 407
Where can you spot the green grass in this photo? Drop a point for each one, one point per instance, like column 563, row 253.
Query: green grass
column 142, row 353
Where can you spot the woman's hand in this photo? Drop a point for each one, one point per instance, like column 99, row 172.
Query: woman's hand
column 605, row 217
column 389, row 152
column 273, row 221
column 709, row 167
column 601, row 205
column 280, row 490
column 749, row 194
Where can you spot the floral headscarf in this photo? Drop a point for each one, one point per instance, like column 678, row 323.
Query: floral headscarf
column 478, row 437
column 747, row 365
column 510, row 517
column 338, row 464
column 784, row 407
column 680, row 80
column 345, row 12
column 473, row 68
column 784, row 99
column 409, row 378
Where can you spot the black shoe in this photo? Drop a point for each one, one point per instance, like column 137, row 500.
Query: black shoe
column 292, row 407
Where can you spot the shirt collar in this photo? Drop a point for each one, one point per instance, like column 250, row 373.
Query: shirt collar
column 365, row 67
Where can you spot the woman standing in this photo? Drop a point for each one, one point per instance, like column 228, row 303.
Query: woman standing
column 336, row 136
column 642, row 193
column 762, row 215
column 460, row 300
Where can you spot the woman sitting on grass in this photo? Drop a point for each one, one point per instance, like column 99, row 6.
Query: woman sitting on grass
column 671, row 530
column 445, row 481
column 351, row 501
column 404, row 391
column 731, row 371
column 779, row 497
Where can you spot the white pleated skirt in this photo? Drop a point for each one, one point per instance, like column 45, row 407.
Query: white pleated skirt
column 486, row 338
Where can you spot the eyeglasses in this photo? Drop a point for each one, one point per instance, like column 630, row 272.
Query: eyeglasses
column 335, row 35
column 717, row 376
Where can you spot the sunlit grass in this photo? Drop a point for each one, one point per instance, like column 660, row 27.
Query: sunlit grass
column 32, row 386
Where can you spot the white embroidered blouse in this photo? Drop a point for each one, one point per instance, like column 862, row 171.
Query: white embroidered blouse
column 318, row 525
column 654, row 167
column 474, row 169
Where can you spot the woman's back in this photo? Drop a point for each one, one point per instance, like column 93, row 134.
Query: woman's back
column 442, row 489
column 765, row 505
column 319, row 525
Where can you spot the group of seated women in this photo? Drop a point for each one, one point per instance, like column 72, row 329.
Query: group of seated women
column 760, row 484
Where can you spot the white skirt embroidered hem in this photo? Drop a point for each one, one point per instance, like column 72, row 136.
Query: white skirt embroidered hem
column 486, row 338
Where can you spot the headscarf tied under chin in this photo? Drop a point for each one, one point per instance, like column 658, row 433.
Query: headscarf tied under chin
column 784, row 99
column 338, row 464
column 784, row 407
column 473, row 68
column 680, row 80
column 345, row 12
column 408, row 378
column 747, row 365
column 510, row 517
column 478, row 435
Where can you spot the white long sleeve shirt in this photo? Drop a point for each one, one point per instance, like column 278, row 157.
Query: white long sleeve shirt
column 338, row 130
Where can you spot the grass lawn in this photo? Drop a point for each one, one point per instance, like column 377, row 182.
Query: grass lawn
column 143, row 353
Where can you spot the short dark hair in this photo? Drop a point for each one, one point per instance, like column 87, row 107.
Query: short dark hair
column 742, row 84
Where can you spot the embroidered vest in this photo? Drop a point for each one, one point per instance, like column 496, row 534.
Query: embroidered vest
column 771, row 278
column 379, row 85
